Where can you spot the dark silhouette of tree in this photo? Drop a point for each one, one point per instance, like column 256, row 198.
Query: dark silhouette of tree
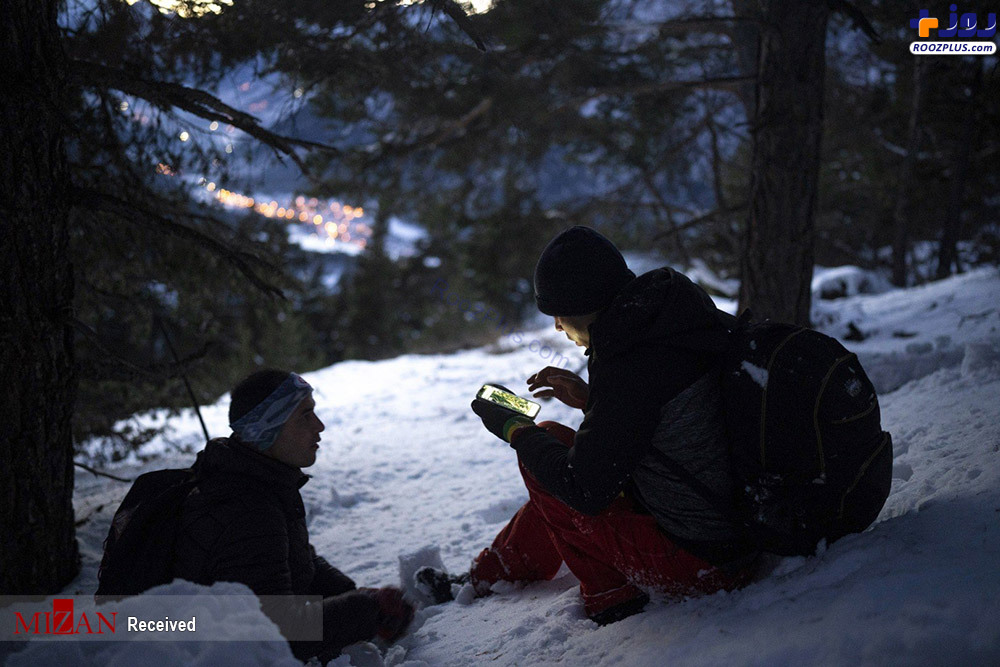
column 777, row 262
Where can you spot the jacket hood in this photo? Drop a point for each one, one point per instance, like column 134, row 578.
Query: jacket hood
column 227, row 457
column 661, row 305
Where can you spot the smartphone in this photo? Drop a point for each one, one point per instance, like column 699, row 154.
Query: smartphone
column 514, row 402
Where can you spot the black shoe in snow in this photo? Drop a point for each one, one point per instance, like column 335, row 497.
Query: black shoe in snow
column 620, row 611
column 436, row 584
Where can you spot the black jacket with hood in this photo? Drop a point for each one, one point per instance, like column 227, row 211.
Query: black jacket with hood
column 245, row 522
column 659, row 336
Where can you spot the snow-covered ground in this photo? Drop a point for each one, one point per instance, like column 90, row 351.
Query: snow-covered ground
column 406, row 470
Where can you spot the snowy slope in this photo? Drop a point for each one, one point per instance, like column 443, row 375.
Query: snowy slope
column 405, row 469
column 910, row 333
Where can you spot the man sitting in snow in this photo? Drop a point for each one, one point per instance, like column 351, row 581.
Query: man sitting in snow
column 245, row 521
column 604, row 499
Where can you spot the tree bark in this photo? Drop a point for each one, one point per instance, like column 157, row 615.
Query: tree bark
column 777, row 262
column 901, row 205
column 746, row 41
column 948, row 248
column 38, row 550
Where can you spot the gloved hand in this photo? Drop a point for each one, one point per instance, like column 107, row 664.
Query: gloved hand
column 394, row 612
column 498, row 420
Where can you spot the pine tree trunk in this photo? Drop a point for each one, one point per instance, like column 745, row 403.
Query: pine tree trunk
column 777, row 261
column 904, row 185
column 948, row 248
column 746, row 42
column 38, row 551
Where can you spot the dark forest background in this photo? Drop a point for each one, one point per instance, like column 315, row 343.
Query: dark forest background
column 631, row 117
column 669, row 126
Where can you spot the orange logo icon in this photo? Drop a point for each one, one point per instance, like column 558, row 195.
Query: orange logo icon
column 924, row 28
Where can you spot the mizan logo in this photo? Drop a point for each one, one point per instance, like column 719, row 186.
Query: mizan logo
column 62, row 621
column 961, row 27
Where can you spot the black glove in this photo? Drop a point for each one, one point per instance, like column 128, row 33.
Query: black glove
column 498, row 420
column 394, row 612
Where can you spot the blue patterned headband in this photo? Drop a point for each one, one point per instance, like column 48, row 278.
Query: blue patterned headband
column 260, row 426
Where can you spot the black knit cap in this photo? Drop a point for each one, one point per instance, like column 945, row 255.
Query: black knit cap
column 580, row 272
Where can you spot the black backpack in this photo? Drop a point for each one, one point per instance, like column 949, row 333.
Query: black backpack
column 810, row 459
column 138, row 552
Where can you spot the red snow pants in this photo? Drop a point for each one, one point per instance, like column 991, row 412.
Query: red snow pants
column 613, row 554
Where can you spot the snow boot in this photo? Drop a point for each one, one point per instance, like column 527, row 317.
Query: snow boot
column 436, row 584
column 621, row 610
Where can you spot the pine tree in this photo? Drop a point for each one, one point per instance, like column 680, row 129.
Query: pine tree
column 37, row 544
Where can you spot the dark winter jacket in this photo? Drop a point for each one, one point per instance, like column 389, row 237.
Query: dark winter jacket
column 657, row 339
column 245, row 522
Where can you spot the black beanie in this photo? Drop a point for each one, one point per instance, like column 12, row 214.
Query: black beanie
column 579, row 272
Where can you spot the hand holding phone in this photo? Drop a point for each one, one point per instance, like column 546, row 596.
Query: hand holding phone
column 506, row 398
column 503, row 412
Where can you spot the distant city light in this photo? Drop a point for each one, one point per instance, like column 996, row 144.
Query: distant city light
column 184, row 136
column 342, row 226
column 214, row 125
column 188, row 8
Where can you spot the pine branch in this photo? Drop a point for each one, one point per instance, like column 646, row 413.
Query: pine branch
column 124, row 210
column 718, row 24
column 858, row 19
column 440, row 136
column 718, row 83
column 165, row 94
column 161, row 371
column 461, row 19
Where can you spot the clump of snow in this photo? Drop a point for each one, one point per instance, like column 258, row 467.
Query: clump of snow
column 465, row 595
column 841, row 281
column 700, row 274
column 981, row 356
column 409, row 563
column 919, row 587
column 404, row 238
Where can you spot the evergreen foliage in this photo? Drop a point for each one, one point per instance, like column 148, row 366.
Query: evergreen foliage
column 633, row 117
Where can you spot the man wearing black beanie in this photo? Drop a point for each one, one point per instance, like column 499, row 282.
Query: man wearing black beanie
column 608, row 499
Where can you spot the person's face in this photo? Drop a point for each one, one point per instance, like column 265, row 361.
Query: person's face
column 576, row 327
column 298, row 440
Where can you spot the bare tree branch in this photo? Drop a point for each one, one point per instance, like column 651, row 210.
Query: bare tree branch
column 647, row 179
column 93, row 199
column 701, row 219
column 99, row 474
column 162, row 371
column 459, row 126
